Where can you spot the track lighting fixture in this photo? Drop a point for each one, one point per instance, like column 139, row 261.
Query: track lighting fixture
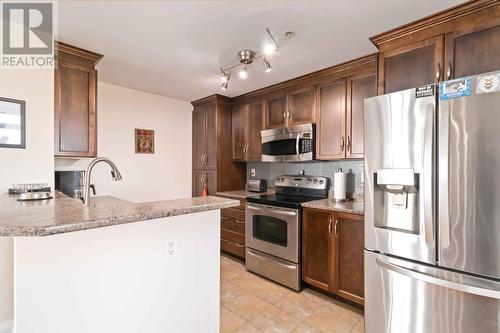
column 243, row 74
column 247, row 57
column 267, row 66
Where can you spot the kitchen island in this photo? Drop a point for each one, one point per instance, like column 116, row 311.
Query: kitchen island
column 115, row 266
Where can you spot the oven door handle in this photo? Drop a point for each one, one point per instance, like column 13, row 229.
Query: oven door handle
column 280, row 212
column 268, row 260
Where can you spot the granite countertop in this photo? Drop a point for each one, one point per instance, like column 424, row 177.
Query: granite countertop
column 242, row 194
column 353, row 207
column 64, row 214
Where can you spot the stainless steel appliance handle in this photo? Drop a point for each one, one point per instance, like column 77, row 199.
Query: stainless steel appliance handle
column 461, row 287
column 274, row 211
column 444, row 141
column 428, row 180
column 297, row 145
column 273, row 262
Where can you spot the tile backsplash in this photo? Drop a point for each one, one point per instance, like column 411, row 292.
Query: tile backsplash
column 270, row 170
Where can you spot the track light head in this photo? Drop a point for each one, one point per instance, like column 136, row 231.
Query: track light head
column 267, row 66
column 243, row 74
column 224, row 85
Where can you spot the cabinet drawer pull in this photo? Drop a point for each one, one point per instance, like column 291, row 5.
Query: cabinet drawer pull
column 228, row 241
column 239, row 245
column 232, row 219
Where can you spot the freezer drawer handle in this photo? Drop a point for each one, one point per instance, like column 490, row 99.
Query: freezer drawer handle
column 491, row 293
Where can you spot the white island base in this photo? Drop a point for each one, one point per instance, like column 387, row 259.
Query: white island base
column 121, row 278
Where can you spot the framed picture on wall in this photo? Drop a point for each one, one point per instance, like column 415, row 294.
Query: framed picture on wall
column 144, row 141
column 12, row 123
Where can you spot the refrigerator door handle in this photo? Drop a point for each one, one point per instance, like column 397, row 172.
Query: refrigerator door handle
column 444, row 218
column 461, row 287
column 428, row 174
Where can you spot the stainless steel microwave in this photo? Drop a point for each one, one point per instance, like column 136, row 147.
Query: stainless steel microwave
column 288, row 144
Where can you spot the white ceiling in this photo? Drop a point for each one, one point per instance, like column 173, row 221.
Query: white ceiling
column 175, row 48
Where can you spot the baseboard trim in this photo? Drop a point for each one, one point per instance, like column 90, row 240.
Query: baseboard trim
column 6, row 326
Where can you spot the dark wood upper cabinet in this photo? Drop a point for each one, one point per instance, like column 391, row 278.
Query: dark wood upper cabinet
column 255, row 125
column 411, row 66
column 330, row 143
column 247, row 123
column 317, row 249
column 212, row 149
column 199, row 137
column 461, row 41
column 275, row 109
column 211, row 158
column 358, row 88
column 301, row 104
column 239, row 132
column 349, row 270
column 75, row 109
column 472, row 52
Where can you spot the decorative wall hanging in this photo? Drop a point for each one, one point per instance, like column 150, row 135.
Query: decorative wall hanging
column 144, row 141
column 12, row 123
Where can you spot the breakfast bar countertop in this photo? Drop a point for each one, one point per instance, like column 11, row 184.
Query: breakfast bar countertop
column 63, row 214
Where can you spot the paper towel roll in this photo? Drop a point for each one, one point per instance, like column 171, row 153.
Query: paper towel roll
column 339, row 184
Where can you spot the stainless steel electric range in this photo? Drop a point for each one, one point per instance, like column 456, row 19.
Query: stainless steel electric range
column 273, row 224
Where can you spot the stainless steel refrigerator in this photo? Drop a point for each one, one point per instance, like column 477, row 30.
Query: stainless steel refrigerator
column 432, row 208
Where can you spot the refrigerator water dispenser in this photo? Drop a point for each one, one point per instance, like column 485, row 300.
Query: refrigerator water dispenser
column 396, row 200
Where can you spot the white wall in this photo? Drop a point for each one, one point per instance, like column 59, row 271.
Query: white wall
column 33, row 164
column 166, row 174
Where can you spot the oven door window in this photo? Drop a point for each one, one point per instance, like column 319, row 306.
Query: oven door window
column 270, row 229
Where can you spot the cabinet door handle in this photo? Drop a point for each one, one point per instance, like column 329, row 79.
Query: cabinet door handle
column 448, row 72
column 336, row 229
column 342, row 144
column 202, row 158
column 330, row 227
column 348, row 143
column 206, row 158
column 438, row 73
column 202, row 179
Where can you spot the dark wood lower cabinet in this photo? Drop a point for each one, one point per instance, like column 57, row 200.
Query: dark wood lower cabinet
column 317, row 249
column 332, row 253
column 233, row 230
column 349, row 270
column 202, row 178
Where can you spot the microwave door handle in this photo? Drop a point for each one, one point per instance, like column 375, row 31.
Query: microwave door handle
column 297, row 145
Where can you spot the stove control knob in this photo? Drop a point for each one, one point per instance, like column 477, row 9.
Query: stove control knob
column 308, row 180
column 321, row 182
column 282, row 179
column 315, row 181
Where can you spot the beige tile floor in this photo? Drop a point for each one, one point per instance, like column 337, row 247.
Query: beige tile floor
column 250, row 303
